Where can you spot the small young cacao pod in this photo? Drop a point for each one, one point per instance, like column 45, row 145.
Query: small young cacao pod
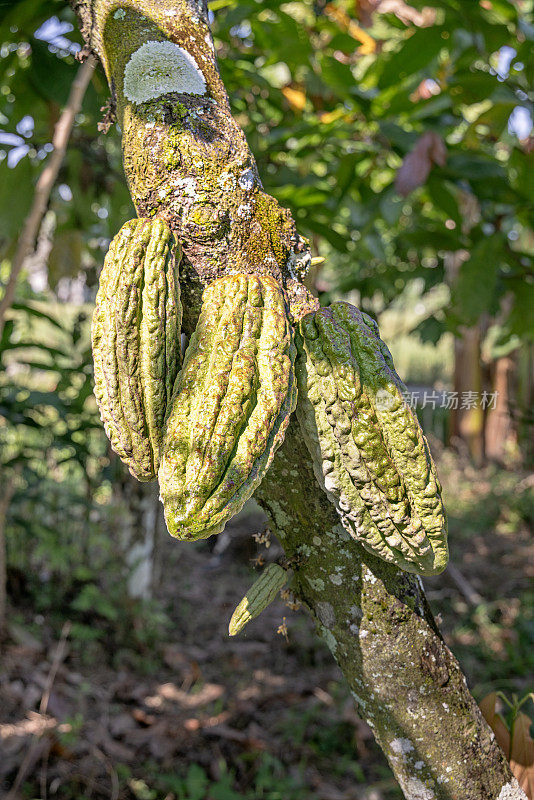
column 230, row 406
column 260, row 595
column 369, row 453
column 136, row 341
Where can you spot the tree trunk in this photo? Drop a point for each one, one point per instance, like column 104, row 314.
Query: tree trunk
column 376, row 621
column 525, row 397
column 187, row 161
column 467, row 421
column 500, row 428
column 137, row 532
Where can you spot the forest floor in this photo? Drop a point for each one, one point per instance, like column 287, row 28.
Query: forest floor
column 186, row 713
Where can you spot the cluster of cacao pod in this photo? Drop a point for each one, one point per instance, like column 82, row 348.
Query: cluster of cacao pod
column 208, row 428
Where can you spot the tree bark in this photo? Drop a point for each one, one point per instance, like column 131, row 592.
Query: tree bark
column 500, row 430
column 467, row 423
column 187, row 162
column 137, row 531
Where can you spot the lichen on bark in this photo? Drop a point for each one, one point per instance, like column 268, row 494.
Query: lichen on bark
column 188, row 163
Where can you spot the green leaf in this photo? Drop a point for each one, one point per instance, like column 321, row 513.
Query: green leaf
column 337, row 241
column 16, row 195
column 467, row 87
column 417, row 52
column 521, row 318
column 430, row 330
column 50, row 75
column 474, row 291
column 473, row 167
column 443, row 199
column 435, row 237
column 521, row 171
column 36, row 312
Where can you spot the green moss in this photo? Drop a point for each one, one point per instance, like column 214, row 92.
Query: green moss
column 271, row 218
column 173, row 147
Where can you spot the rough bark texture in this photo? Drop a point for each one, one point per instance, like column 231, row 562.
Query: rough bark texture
column 187, row 161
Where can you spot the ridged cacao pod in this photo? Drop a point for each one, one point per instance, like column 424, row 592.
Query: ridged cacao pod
column 136, row 341
column 230, row 407
column 369, row 453
column 260, row 595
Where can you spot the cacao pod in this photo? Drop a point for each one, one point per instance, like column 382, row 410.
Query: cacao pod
column 369, row 453
column 260, row 595
column 136, row 341
column 230, row 406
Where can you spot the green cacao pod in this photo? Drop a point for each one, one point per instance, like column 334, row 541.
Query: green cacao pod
column 136, row 341
column 369, row 453
column 230, row 406
column 260, row 595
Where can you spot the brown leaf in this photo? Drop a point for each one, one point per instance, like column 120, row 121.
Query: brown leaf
column 495, row 721
column 436, row 148
column 522, row 754
column 429, row 149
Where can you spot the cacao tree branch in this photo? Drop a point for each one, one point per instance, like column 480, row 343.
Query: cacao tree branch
column 187, row 162
column 47, row 178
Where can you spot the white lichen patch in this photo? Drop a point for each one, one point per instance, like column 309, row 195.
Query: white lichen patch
column 354, row 629
column 188, row 186
column 120, row 13
column 226, row 181
column 512, row 791
column 357, row 698
column 337, row 580
column 157, row 68
column 282, row 519
column 340, row 533
column 244, row 211
column 316, row 583
column 401, row 746
column 329, row 638
column 316, row 540
column 369, row 576
column 414, row 789
column 326, row 614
